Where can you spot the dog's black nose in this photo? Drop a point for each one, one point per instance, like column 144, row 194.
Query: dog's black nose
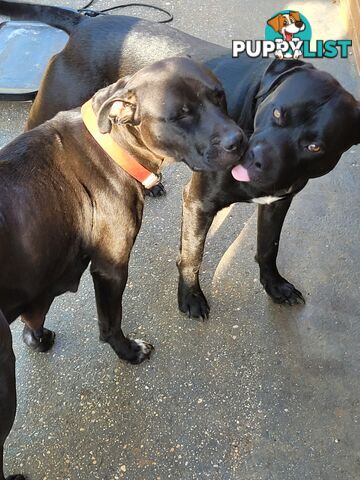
column 299, row 24
column 257, row 157
column 232, row 140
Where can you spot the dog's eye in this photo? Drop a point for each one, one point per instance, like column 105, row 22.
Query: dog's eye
column 286, row 23
column 219, row 97
column 184, row 111
column 277, row 113
column 313, row 148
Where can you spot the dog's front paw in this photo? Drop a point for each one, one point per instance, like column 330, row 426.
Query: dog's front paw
column 156, row 191
column 194, row 304
column 281, row 291
column 38, row 344
column 136, row 351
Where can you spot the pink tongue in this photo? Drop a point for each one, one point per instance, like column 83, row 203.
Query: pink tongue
column 240, row 174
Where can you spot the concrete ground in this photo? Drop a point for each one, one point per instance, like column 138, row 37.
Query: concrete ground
column 259, row 391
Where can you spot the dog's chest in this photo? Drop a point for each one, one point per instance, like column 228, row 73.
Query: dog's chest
column 265, row 200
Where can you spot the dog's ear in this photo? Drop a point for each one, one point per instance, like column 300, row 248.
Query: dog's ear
column 296, row 16
column 115, row 105
column 275, row 22
column 277, row 70
column 119, row 109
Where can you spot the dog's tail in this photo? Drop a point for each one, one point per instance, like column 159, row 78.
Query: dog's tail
column 57, row 17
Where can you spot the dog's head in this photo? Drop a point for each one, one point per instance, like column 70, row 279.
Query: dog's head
column 287, row 24
column 305, row 121
column 174, row 109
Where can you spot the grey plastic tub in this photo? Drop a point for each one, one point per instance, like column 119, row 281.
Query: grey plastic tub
column 25, row 49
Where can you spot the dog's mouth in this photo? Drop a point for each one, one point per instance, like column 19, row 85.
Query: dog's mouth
column 206, row 167
column 194, row 168
column 288, row 36
column 210, row 164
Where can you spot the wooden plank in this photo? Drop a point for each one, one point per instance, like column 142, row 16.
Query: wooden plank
column 351, row 11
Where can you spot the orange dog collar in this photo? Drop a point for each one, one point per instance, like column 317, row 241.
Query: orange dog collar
column 117, row 153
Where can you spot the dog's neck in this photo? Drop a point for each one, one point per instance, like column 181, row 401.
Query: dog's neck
column 130, row 140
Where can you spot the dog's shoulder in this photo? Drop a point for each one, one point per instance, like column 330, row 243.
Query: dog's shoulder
column 31, row 152
column 28, row 144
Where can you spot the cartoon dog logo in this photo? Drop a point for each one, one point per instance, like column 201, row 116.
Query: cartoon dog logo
column 287, row 25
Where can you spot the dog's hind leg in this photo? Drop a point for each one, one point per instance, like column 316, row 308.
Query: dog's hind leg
column 7, row 390
column 35, row 335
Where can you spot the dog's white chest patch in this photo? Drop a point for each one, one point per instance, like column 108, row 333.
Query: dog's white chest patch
column 265, row 200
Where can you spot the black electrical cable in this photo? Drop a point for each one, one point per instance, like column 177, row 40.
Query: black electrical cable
column 93, row 13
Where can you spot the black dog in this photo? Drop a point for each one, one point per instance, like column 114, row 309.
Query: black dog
column 65, row 202
column 7, row 390
column 300, row 121
column 304, row 121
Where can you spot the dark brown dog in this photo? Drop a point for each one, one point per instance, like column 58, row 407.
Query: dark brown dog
column 65, row 203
